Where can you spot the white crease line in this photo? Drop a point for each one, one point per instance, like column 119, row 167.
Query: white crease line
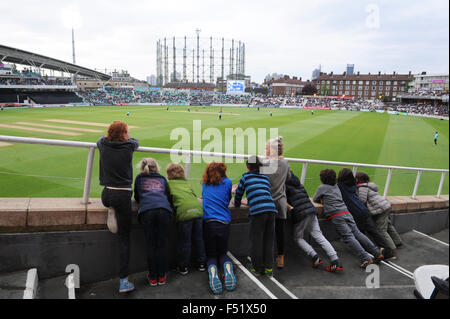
column 290, row 294
column 250, row 275
column 401, row 268
column 396, row 267
column 418, row 232
column 403, row 273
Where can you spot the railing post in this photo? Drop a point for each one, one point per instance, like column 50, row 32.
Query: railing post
column 355, row 168
column 88, row 178
column 416, row 186
column 388, row 182
column 303, row 177
column 187, row 170
column 441, row 184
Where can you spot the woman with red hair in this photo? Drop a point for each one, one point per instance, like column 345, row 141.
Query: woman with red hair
column 216, row 194
column 116, row 175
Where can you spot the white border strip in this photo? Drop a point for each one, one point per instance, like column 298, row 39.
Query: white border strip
column 418, row 232
column 250, row 275
column 397, row 269
column 401, row 268
column 290, row 294
column 31, row 284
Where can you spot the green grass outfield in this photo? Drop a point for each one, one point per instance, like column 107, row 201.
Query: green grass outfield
column 52, row 171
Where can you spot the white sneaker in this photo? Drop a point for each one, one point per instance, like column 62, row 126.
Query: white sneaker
column 112, row 221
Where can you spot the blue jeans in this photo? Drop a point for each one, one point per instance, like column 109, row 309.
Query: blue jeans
column 190, row 232
column 156, row 230
column 353, row 239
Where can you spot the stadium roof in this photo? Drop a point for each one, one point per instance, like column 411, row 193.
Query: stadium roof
column 13, row 55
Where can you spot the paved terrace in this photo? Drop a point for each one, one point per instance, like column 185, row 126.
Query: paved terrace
column 49, row 234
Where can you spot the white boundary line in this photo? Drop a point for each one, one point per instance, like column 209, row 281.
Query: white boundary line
column 400, row 268
column 290, row 294
column 250, row 275
column 397, row 269
column 418, row 232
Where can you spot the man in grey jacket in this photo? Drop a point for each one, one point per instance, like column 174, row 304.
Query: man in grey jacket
column 336, row 211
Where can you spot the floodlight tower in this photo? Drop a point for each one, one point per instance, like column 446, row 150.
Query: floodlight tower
column 73, row 46
column 74, row 77
column 198, row 54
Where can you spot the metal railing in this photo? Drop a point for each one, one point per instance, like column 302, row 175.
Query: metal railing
column 190, row 153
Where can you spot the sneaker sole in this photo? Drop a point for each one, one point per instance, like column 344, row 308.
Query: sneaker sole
column 126, row 290
column 230, row 278
column 315, row 266
column 214, row 282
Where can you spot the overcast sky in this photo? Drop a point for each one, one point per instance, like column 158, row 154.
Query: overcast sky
column 281, row 36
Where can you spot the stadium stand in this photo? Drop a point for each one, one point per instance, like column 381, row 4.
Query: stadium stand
column 57, row 97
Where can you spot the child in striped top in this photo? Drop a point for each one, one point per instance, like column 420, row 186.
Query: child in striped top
column 262, row 216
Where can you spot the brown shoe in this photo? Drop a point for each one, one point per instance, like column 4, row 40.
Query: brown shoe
column 280, row 261
column 380, row 257
column 366, row 263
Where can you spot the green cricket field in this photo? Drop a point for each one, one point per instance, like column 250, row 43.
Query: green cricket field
column 361, row 137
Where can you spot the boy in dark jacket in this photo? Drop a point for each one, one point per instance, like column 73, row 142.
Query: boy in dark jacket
column 304, row 218
column 360, row 213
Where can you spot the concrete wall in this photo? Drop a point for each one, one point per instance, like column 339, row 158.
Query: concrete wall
column 95, row 251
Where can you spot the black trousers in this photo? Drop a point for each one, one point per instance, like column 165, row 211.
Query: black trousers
column 367, row 225
column 262, row 231
column 156, row 229
column 120, row 200
column 216, row 236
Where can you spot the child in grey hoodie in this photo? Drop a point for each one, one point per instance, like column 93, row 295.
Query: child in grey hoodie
column 380, row 209
column 336, row 211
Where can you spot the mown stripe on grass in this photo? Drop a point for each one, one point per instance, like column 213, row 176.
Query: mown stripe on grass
column 357, row 138
column 409, row 142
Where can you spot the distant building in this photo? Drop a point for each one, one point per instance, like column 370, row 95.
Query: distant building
column 286, row 85
column 273, row 76
column 119, row 79
column 151, row 80
column 430, row 82
column 316, row 73
column 368, row 86
column 350, row 69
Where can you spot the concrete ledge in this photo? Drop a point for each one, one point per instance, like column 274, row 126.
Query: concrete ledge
column 56, row 212
column 412, row 205
column 13, row 212
column 96, row 214
column 69, row 214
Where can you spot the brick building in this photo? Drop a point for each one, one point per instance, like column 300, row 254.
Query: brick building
column 368, row 86
column 286, row 85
